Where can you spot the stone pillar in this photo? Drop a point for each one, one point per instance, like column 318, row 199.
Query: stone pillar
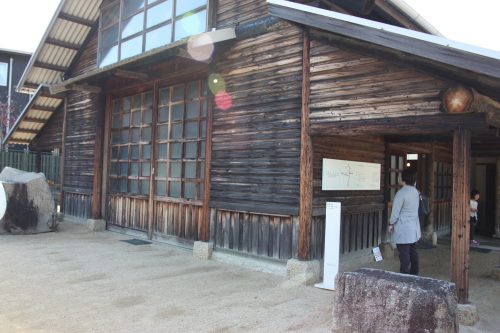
column 303, row 272
column 202, row 250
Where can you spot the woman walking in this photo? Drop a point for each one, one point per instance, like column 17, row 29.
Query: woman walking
column 404, row 224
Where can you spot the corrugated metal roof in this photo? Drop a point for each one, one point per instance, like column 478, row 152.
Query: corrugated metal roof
column 65, row 35
column 67, row 31
column 34, row 116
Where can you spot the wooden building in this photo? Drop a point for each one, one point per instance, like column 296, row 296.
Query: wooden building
column 220, row 137
column 12, row 65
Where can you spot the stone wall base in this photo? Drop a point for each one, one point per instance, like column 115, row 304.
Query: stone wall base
column 303, row 272
column 202, row 250
column 495, row 273
column 96, row 225
column 467, row 314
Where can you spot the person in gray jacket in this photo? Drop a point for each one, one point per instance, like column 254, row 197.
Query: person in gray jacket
column 404, row 225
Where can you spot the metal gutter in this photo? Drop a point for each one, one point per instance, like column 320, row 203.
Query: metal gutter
column 415, row 16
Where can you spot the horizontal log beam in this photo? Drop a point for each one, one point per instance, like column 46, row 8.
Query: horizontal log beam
column 27, row 131
column 415, row 125
column 131, row 75
column 51, row 67
column 60, row 43
column 35, row 120
column 75, row 19
column 42, row 108
column 85, row 88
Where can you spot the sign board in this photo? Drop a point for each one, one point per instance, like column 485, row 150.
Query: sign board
column 377, row 254
column 332, row 246
column 341, row 175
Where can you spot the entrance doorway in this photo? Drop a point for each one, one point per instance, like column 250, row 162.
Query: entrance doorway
column 484, row 180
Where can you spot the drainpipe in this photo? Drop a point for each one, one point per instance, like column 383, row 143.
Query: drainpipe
column 9, row 98
column 416, row 17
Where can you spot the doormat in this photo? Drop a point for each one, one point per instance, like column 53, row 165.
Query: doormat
column 478, row 249
column 135, row 241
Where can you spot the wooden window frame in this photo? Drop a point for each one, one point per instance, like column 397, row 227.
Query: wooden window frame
column 143, row 32
column 117, row 114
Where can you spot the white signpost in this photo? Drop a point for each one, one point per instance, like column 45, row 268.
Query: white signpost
column 3, row 201
column 332, row 245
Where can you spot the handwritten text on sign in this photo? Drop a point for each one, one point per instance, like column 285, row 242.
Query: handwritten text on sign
column 341, row 175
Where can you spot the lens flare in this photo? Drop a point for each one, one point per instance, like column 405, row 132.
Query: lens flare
column 216, row 83
column 223, row 100
column 200, row 47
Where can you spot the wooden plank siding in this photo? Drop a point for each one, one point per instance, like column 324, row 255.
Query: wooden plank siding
column 257, row 234
column 231, row 13
column 82, row 109
column 50, row 135
column 256, row 143
column 347, row 85
column 362, row 211
column 127, row 212
column 179, row 219
column 77, row 204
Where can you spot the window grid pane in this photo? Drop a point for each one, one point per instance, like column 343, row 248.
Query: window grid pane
column 130, row 145
column 179, row 142
column 151, row 23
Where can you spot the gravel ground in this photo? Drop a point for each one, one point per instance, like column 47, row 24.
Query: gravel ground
column 78, row 281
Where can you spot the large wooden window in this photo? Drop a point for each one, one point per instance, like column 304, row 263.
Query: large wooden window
column 130, row 27
column 181, row 132
column 131, row 127
column 180, row 142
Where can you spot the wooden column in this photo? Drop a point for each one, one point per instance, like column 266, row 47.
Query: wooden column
column 152, row 166
column 63, row 151
column 306, row 163
column 98, row 159
column 431, row 191
column 204, row 226
column 460, row 214
column 497, row 217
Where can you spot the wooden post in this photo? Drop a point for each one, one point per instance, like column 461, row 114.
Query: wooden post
column 98, row 152
column 152, row 166
column 63, row 151
column 460, row 213
column 497, row 217
column 431, row 191
column 306, row 163
column 204, row 226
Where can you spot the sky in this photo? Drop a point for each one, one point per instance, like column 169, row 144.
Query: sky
column 470, row 22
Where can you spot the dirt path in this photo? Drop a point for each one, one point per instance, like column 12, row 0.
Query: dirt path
column 77, row 281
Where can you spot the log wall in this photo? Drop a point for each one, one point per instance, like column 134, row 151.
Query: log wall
column 231, row 13
column 256, row 142
column 347, row 85
column 50, row 135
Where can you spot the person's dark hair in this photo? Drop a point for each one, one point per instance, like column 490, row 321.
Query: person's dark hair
column 409, row 176
column 473, row 193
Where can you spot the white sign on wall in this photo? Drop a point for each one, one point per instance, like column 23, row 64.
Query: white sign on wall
column 342, row 175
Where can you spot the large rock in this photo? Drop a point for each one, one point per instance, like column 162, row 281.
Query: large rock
column 370, row 300
column 30, row 205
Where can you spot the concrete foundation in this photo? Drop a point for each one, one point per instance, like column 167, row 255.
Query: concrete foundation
column 495, row 273
column 96, row 225
column 202, row 250
column 467, row 314
column 303, row 272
